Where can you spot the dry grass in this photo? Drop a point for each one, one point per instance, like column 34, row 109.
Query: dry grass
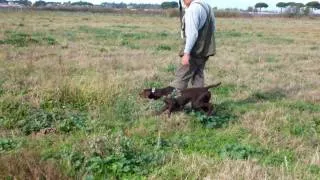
column 28, row 165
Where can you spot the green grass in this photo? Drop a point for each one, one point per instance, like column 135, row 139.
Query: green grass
column 8, row 145
column 21, row 39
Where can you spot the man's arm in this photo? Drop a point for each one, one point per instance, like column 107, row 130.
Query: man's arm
column 192, row 22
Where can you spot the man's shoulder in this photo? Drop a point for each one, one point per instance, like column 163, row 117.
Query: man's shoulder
column 197, row 5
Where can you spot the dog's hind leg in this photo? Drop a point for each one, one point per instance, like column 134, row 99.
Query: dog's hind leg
column 209, row 108
column 203, row 98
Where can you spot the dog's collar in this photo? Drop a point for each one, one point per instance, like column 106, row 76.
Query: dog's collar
column 153, row 90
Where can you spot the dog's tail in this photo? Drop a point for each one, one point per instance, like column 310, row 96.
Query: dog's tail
column 214, row 85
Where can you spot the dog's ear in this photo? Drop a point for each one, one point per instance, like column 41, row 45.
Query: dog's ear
column 151, row 96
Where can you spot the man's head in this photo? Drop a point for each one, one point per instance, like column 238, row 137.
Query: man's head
column 187, row 2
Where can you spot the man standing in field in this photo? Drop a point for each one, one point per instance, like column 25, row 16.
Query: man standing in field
column 198, row 27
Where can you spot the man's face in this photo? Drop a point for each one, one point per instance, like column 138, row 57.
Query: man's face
column 187, row 2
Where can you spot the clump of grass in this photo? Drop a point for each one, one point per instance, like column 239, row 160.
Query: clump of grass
column 2, row 90
column 126, row 42
column 65, row 121
column 49, row 40
column 73, row 122
column 271, row 59
column 218, row 120
column 277, row 40
column 21, row 39
column 314, row 169
column 272, row 95
column 124, row 108
column 135, row 36
column 163, row 47
column 279, row 158
column 239, row 151
column 101, row 33
column 314, row 48
column 163, row 34
column 225, row 89
column 73, row 95
column 171, row 68
column 127, row 26
column 316, row 122
column 230, row 34
column 304, row 106
column 12, row 110
column 36, row 120
column 7, row 145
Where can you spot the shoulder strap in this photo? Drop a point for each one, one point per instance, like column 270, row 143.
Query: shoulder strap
column 181, row 13
column 205, row 9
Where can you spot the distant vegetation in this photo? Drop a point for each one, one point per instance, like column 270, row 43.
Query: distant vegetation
column 80, row 3
column 166, row 5
column 169, row 8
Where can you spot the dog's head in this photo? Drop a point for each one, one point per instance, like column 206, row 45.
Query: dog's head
column 149, row 93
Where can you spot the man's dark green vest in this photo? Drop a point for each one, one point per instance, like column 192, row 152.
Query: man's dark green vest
column 205, row 45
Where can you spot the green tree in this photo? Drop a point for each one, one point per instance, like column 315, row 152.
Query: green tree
column 261, row 5
column 166, row 5
column 290, row 4
column 299, row 6
column 39, row 4
column 281, row 5
column 24, row 2
column 313, row 5
column 81, row 3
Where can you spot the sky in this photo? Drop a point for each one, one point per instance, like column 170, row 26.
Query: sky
column 240, row 4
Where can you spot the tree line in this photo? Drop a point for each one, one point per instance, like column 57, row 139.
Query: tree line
column 40, row 3
column 312, row 5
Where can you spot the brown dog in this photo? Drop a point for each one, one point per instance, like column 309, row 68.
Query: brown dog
column 199, row 98
column 153, row 93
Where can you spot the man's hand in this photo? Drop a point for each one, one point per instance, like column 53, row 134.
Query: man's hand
column 185, row 59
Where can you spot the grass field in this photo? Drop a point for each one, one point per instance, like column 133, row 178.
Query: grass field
column 81, row 74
